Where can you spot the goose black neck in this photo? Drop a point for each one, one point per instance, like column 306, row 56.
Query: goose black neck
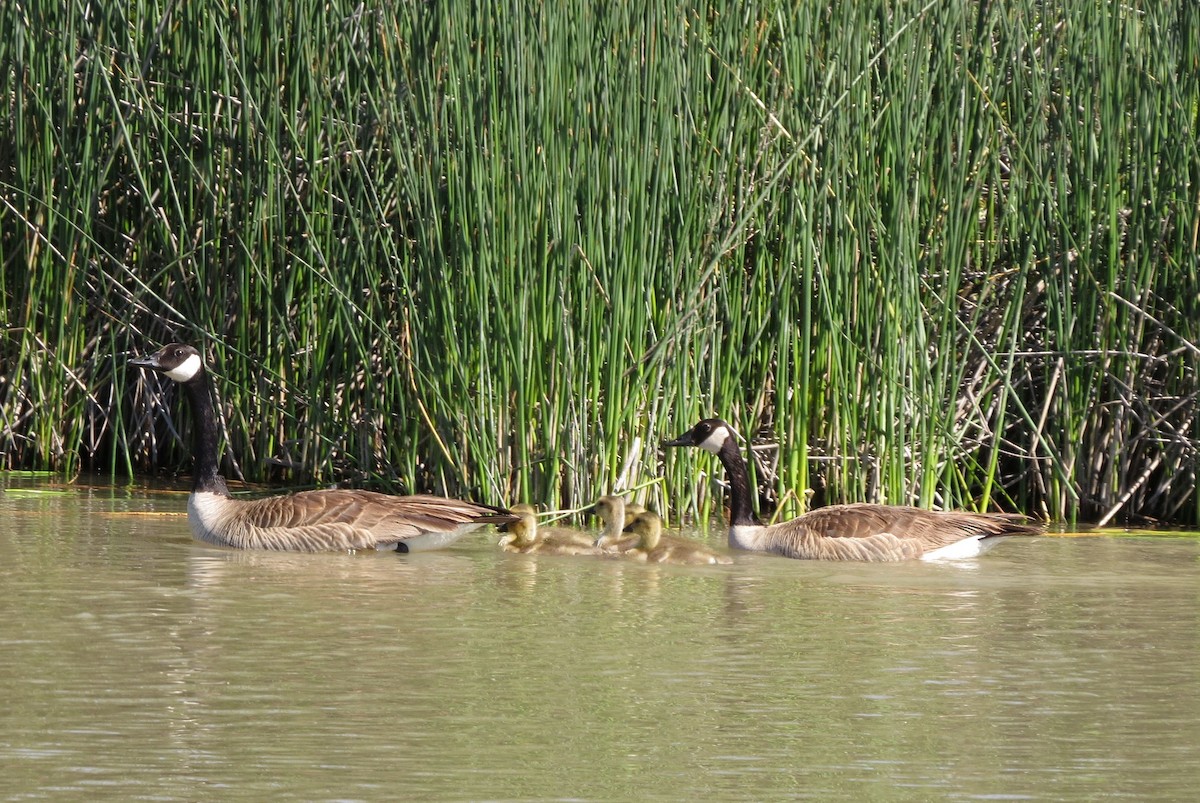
column 740, row 511
column 207, row 478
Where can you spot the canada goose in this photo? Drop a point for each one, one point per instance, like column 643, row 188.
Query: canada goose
column 848, row 532
column 615, row 512
column 525, row 536
column 309, row 521
column 653, row 547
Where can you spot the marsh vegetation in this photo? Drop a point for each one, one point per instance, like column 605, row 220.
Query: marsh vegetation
column 941, row 253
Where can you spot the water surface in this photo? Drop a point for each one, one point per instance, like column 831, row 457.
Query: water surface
column 135, row 662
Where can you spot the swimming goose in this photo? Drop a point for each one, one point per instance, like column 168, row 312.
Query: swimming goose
column 309, row 521
column 615, row 512
column 525, row 536
column 654, row 547
column 862, row 532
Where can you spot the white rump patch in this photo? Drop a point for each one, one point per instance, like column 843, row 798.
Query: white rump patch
column 716, row 440
column 971, row 547
column 186, row 369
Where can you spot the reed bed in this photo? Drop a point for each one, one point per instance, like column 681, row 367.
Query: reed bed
column 941, row 253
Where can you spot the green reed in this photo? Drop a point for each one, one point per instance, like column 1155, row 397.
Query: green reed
column 940, row 253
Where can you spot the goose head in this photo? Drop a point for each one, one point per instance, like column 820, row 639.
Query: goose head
column 648, row 528
column 612, row 508
column 711, row 434
column 613, row 512
column 179, row 362
column 609, row 508
column 523, row 532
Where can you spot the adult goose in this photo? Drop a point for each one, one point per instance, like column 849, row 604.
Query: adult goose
column 526, row 537
column 863, row 532
column 654, row 547
column 309, row 521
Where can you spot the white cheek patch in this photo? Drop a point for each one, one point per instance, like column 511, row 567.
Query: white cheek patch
column 186, row 369
column 716, row 440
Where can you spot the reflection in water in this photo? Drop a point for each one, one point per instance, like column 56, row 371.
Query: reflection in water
column 138, row 662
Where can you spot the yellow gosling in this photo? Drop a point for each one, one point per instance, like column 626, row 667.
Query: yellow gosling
column 526, row 537
column 654, row 547
column 614, row 512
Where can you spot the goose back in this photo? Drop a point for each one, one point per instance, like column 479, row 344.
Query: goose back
column 336, row 520
column 878, row 533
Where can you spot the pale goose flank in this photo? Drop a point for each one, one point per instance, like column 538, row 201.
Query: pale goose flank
column 861, row 532
column 309, row 521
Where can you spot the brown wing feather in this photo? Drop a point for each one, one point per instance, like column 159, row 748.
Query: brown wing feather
column 349, row 519
column 794, row 539
column 862, row 520
column 868, row 532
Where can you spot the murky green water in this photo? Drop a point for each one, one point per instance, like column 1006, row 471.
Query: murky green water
column 137, row 663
